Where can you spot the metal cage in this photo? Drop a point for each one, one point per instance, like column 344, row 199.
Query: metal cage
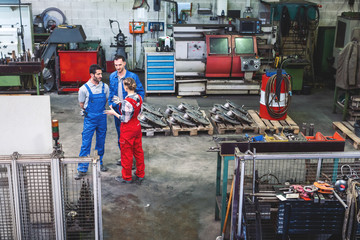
column 271, row 170
column 40, row 199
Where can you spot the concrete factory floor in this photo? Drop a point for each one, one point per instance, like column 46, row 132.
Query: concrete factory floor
column 177, row 198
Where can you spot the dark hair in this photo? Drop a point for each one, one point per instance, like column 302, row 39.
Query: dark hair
column 117, row 57
column 130, row 83
column 93, row 68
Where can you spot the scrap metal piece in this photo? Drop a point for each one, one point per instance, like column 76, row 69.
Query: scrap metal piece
column 241, row 116
column 179, row 119
column 152, row 109
column 196, row 117
column 153, row 119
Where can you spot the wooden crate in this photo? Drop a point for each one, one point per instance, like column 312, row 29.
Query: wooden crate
column 347, row 132
column 223, row 128
column 193, row 131
column 150, row 132
column 265, row 125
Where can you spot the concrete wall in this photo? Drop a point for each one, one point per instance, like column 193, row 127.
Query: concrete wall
column 94, row 16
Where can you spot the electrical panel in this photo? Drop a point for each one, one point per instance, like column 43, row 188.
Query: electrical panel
column 155, row 26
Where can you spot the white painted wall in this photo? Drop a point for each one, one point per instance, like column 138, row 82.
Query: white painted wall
column 94, row 16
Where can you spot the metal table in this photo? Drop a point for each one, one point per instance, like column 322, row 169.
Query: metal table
column 33, row 69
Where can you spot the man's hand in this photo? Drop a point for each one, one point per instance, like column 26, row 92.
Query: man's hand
column 82, row 113
column 116, row 100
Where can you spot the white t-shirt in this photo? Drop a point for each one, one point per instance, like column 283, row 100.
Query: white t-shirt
column 95, row 89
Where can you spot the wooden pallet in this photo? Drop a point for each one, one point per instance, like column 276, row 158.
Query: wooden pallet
column 150, row 132
column 347, row 132
column 265, row 125
column 193, row 131
column 223, row 128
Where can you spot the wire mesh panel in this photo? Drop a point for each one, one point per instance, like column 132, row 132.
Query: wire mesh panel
column 36, row 202
column 78, row 202
column 7, row 217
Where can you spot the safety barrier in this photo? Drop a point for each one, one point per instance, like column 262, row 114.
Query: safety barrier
column 256, row 173
column 40, row 199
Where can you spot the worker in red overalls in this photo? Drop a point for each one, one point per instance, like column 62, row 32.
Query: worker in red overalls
column 130, row 137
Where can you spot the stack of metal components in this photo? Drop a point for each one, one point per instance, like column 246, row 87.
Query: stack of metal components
column 186, row 115
column 230, row 113
column 151, row 117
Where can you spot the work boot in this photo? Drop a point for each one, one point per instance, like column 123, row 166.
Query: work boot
column 121, row 180
column 138, row 180
column 80, row 175
column 103, row 168
column 118, row 162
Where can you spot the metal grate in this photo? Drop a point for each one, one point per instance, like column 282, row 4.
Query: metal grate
column 36, row 202
column 78, row 202
column 7, row 218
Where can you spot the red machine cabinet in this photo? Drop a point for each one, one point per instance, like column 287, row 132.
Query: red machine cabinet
column 218, row 62
column 242, row 46
column 74, row 69
column 224, row 52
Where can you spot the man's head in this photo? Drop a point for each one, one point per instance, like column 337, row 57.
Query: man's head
column 119, row 63
column 95, row 73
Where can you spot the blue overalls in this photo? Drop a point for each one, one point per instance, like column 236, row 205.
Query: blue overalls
column 95, row 119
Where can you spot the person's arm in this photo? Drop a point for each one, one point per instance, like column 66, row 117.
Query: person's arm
column 81, row 105
column 127, row 111
column 139, row 87
column 113, row 91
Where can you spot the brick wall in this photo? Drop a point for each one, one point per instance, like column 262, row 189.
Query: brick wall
column 94, row 16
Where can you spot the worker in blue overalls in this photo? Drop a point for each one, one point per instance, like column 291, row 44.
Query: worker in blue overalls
column 92, row 98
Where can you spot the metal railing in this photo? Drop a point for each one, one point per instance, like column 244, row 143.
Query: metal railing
column 40, row 199
column 276, row 169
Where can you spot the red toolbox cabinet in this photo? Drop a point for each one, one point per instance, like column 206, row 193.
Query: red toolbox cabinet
column 74, row 69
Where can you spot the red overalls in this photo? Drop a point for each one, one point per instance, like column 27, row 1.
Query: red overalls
column 131, row 144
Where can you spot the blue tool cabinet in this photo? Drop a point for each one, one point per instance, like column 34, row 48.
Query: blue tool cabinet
column 159, row 72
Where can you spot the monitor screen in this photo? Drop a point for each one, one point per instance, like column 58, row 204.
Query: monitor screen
column 247, row 26
column 219, row 46
column 244, row 45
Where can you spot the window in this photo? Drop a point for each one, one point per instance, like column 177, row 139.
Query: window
column 244, row 45
column 219, row 46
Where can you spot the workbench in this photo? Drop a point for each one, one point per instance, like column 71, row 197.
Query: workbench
column 12, row 69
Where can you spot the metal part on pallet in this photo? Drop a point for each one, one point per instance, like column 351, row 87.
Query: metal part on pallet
column 196, row 117
column 218, row 108
column 179, row 119
column 241, row 116
column 152, row 110
column 184, row 106
column 217, row 118
column 145, row 124
column 226, row 118
column 170, row 109
column 233, row 105
column 152, row 119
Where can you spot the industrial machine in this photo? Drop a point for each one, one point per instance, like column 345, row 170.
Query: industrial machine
column 67, row 58
column 215, row 60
